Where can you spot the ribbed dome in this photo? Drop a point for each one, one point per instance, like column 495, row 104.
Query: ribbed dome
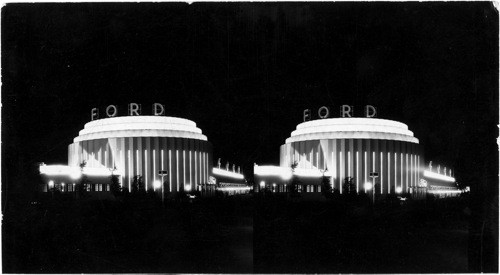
column 352, row 128
column 140, row 126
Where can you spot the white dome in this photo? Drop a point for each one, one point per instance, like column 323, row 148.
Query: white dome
column 355, row 128
column 140, row 126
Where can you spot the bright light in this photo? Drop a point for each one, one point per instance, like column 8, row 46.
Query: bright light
column 187, row 188
column 286, row 173
column 225, row 173
column 74, row 171
column 51, row 183
column 262, row 184
column 75, row 174
column 399, row 189
column 368, row 186
column 423, row 183
column 274, row 184
column 432, row 175
column 234, row 188
column 157, row 184
column 269, row 170
column 443, row 191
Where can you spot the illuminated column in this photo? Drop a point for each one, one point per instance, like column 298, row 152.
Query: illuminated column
column 390, row 165
column 341, row 174
column 342, row 159
column 381, row 172
column 191, row 168
column 170, row 171
column 139, row 158
column 137, row 172
column 146, row 170
column 336, row 162
column 162, row 163
column 177, row 169
column 207, row 171
column 395, row 171
column 184, row 164
column 349, row 164
column 401, row 172
column 123, row 167
column 196, row 168
column 153, row 179
column 366, row 168
column 202, row 163
column 334, row 169
column 406, row 172
column 352, row 163
column 130, row 169
column 411, row 171
column 358, row 177
column 418, row 168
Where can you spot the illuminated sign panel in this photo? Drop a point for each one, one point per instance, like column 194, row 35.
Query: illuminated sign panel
column 133, row 109
column 345, row 111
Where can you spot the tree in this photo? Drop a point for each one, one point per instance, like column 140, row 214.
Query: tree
column 294, row 181
column 326, row 187
column 81, row 187
column 136, row 184
column 115, row 187
column 349, row 186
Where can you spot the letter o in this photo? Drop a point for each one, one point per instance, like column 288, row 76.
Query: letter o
column 115, row 111
column 324, row 108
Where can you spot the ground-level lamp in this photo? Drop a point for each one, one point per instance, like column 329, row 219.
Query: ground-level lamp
column 51, row 187
column 162, row 173
column 373, row 175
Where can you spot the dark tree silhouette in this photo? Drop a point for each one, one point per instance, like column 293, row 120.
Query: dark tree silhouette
column 115, row 187
column 326, row 187
column 349, row 186
column 135, row 184
column 294, row 182
column 81, row 187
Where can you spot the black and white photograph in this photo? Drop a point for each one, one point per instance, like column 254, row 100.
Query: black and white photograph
column 250, row 137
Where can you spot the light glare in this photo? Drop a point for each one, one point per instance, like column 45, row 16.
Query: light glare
column 157, row 184
column 433, row 175
column 225, row 173
column 368, row 186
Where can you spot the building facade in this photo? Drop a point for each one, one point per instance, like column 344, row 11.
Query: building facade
column 348, row 147
column 142, row 146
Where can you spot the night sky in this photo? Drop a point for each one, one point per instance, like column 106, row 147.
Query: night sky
column 244, row 72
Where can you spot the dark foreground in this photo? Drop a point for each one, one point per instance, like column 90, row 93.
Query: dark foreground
column 264, row 234
column 135, row 235
column 336, row 237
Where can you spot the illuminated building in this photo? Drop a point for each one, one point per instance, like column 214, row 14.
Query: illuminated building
column 142, row 151
column 230, row 183
column 134, row 147
column 347, row 147
column 143, row 146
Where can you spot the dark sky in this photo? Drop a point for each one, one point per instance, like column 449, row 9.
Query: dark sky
column 244, row 72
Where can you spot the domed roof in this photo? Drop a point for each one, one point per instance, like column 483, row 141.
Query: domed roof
column 140, row 126
column 355, row 128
